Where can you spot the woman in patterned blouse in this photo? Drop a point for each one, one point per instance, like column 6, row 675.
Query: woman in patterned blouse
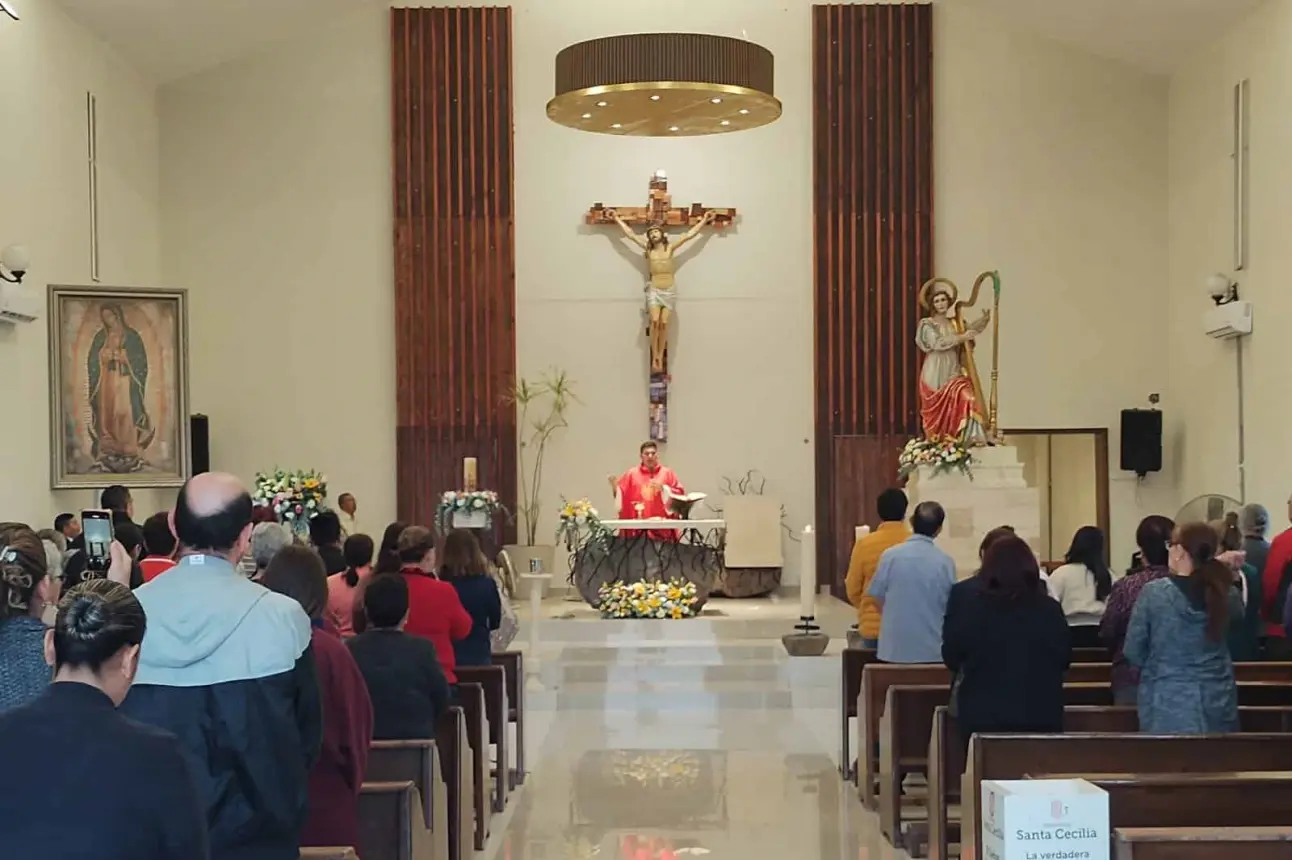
column 1153, row 537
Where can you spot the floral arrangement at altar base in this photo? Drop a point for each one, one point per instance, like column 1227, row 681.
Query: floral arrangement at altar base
column 673, row 599
column 944, row 455
column 295, row 497
column 467, row 503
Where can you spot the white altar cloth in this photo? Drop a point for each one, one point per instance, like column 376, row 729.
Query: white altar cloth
column 661, row 524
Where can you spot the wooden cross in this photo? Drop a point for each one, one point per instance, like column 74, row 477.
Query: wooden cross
column 660, row 212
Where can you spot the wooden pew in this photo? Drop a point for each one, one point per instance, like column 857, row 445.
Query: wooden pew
column 513, row 664
column 493, row 680
column 1268, row 684
column 390, row 823
column 876, row 678
column 906, row 730
column 1231, row 798
column 852, row 663
column 947, row 758
column 1017, row 756
column 472, row 698
column 1202, row 843
column 328, row 854
column 454, row 750
column 418, row 762
column 856, row 659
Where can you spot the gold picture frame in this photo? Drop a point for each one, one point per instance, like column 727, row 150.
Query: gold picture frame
column 118, row 371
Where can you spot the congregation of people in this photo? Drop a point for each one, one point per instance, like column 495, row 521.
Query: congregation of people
column 1197, row 598
column 224, row 677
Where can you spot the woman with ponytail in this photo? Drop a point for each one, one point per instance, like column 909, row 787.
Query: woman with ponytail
column 387, row 562
column 1177, row 639
column 72, row 737
column 343, row 587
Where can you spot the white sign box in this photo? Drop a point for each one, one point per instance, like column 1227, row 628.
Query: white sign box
column 1044, row 819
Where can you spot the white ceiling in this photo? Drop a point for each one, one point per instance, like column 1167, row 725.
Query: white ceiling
column 170, row 39
column 1155, row 35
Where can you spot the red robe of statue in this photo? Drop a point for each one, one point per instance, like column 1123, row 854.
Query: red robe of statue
column 638, row 486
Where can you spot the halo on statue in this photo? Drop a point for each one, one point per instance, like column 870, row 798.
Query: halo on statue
column 944, row 285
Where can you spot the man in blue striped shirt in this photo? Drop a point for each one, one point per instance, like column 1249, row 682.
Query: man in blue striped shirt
column 911, row 587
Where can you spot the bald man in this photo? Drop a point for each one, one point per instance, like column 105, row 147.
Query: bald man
column 227, row 667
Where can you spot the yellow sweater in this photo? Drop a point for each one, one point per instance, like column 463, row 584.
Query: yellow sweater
column 861, row 570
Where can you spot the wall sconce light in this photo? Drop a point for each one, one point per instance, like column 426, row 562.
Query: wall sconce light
column 1221, row 289
column 14, row 261
column 7, row 7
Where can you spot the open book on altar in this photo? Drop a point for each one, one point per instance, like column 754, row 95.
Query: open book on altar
column 681, row 503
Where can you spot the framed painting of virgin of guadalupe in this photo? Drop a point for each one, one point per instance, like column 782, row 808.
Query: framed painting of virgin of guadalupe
column 118, row 367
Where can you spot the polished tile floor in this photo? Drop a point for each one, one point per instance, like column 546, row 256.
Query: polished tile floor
column 656, row 740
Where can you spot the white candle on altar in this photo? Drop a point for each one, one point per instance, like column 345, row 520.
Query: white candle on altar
column 469, row 474
column 807, row 575
column 860, row 532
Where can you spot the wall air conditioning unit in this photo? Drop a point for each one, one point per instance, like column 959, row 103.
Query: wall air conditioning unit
column 19, row 303
column 1231, row 319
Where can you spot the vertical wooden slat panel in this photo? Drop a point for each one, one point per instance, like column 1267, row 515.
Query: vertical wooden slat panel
column 455, row 292
column 873, row 210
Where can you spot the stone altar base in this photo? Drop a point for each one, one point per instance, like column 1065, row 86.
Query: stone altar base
column 997, row 495
column 644, row 559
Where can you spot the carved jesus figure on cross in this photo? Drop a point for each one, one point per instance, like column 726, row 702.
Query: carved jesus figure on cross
column 661, row 290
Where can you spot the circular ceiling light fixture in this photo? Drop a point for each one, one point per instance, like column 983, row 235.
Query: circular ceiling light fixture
column 665, row 85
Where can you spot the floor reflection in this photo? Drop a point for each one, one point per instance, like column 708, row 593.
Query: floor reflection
column 654, row 750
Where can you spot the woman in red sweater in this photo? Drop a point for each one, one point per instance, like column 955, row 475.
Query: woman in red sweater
column 434, row 610
column 337, row 776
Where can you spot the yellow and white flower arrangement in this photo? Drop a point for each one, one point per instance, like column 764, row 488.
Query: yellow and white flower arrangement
column 674, row 599
column 943, row 455
column 294, row 496
column 576, row 517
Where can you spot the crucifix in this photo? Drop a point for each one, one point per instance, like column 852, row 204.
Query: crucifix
column 657, row 216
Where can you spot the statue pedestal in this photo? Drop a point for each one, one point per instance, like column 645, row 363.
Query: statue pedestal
column 997, row 495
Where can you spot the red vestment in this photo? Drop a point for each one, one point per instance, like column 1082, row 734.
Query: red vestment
column 638, row 486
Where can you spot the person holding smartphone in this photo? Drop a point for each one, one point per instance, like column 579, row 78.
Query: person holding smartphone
column 101, row 555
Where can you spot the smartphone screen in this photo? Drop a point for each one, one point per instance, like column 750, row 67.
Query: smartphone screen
column 98, row 537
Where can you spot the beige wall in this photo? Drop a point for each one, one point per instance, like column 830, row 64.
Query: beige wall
column 1051, row 168
column 1201, row 408
column 277, row 217
column 47, row 64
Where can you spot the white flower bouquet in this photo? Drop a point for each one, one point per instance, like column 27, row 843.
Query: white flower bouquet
column 943, row 455
column 294, row 496
column 673, row 599
column 467, row 503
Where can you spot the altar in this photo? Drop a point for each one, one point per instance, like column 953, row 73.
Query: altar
column 626, row 551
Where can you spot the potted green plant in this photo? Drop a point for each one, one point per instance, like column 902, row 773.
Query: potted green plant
column 542, row 405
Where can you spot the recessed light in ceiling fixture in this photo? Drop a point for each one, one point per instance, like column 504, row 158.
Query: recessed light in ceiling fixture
column 638, row 84
column 7, row 7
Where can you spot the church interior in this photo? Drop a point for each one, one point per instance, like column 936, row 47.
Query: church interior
column 429, row 249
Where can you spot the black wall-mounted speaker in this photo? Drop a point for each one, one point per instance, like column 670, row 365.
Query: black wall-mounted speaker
column 199, row 438
column 1141, row 441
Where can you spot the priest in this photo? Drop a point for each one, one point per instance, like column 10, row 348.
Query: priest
column 640, row 492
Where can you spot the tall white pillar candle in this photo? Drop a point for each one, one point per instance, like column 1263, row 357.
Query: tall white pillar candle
column 807, row 575
column 860, row 532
